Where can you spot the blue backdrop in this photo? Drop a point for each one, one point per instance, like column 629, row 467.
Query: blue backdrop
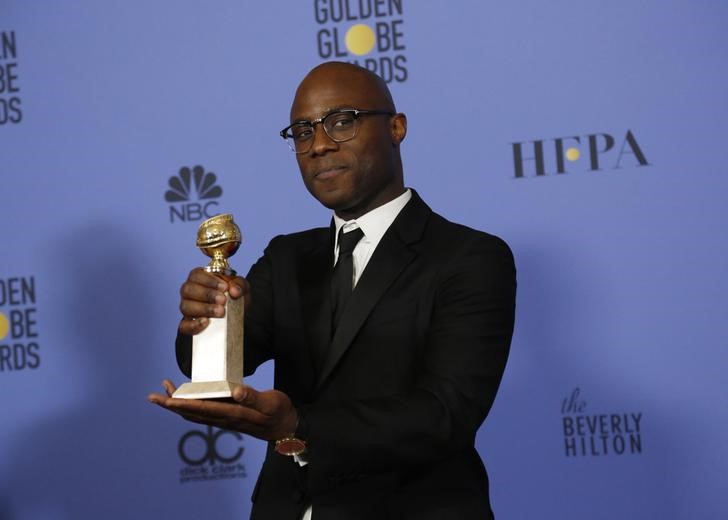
column 589, row 135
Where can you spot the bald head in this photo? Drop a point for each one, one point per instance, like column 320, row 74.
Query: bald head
column 370, row 90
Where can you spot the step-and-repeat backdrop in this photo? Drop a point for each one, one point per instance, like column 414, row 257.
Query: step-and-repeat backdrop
column 591, row 136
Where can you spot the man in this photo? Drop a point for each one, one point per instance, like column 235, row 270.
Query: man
column 378, row 393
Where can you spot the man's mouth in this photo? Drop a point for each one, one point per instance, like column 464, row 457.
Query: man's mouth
column 328, row 172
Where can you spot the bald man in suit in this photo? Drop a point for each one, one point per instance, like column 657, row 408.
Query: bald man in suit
column 380, row 392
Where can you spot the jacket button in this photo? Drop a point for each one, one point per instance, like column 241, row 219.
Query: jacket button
column 297, row 495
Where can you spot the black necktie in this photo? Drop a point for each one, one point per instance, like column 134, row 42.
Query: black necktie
column 341, row 281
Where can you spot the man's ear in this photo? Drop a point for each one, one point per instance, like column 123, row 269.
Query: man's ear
column 399, row 128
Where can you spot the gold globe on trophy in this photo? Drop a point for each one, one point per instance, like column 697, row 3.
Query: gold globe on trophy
column 219, row 238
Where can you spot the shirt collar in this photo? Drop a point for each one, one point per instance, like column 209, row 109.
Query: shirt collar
column 374, row 223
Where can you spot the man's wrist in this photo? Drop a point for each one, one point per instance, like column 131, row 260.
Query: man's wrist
column 294, row 444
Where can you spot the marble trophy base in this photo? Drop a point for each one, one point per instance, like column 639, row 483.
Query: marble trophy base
column 217, row 356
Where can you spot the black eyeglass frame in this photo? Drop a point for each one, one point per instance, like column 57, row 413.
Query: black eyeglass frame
column 353, row 111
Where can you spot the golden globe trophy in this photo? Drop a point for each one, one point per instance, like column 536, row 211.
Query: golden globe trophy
column 217, row 351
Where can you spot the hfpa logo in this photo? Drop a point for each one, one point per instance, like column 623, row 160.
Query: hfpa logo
column 600, row 152
column 189, row 184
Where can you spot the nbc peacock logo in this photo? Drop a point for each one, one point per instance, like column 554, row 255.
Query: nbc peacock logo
column 191, row 194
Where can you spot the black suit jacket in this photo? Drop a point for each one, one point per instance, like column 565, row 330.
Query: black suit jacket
column 390, row 414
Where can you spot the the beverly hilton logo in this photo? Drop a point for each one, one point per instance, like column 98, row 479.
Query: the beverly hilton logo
column 369, row 33
column 603, row 434
column 191, row 194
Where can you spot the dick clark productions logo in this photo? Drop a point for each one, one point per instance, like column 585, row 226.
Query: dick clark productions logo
column 212, row 454
column 192, row 195
column 368, row 33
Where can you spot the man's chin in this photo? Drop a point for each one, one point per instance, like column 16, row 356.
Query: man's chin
column 334, row 205
column 333, row 199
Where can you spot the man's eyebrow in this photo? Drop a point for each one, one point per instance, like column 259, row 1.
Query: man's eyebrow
column 325, row 113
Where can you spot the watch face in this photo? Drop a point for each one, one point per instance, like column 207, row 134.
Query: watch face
column 290, row 446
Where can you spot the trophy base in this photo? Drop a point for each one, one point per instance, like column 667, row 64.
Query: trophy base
column 205, row 390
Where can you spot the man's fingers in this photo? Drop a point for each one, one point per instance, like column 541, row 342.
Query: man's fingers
column 162, row 399
column 195, row 309
column 264, row 402
column 192, row 326
column 246, row 396
column 201, row 302
column 268, row 403
column 156, row 398
column 204, row 294
column 231, row 414
column 238, row 287
column 169, row 387
column 201, row 277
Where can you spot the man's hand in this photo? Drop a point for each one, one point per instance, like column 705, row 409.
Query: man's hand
column 267, row 415
column 203, row 297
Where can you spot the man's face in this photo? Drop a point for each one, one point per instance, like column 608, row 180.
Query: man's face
column 359, row 175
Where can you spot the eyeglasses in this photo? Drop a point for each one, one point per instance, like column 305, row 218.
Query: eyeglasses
column 339, row 125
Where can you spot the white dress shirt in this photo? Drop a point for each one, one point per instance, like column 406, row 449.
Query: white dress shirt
column 373, row 224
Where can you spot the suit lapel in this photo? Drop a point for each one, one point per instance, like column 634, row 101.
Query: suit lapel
column 314, row 281
column 389, row 259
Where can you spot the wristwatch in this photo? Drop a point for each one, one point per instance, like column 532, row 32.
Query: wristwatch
column 293, row 444
column 290, row 446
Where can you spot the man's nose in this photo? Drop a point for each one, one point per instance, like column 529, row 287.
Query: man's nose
column 322, row 143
